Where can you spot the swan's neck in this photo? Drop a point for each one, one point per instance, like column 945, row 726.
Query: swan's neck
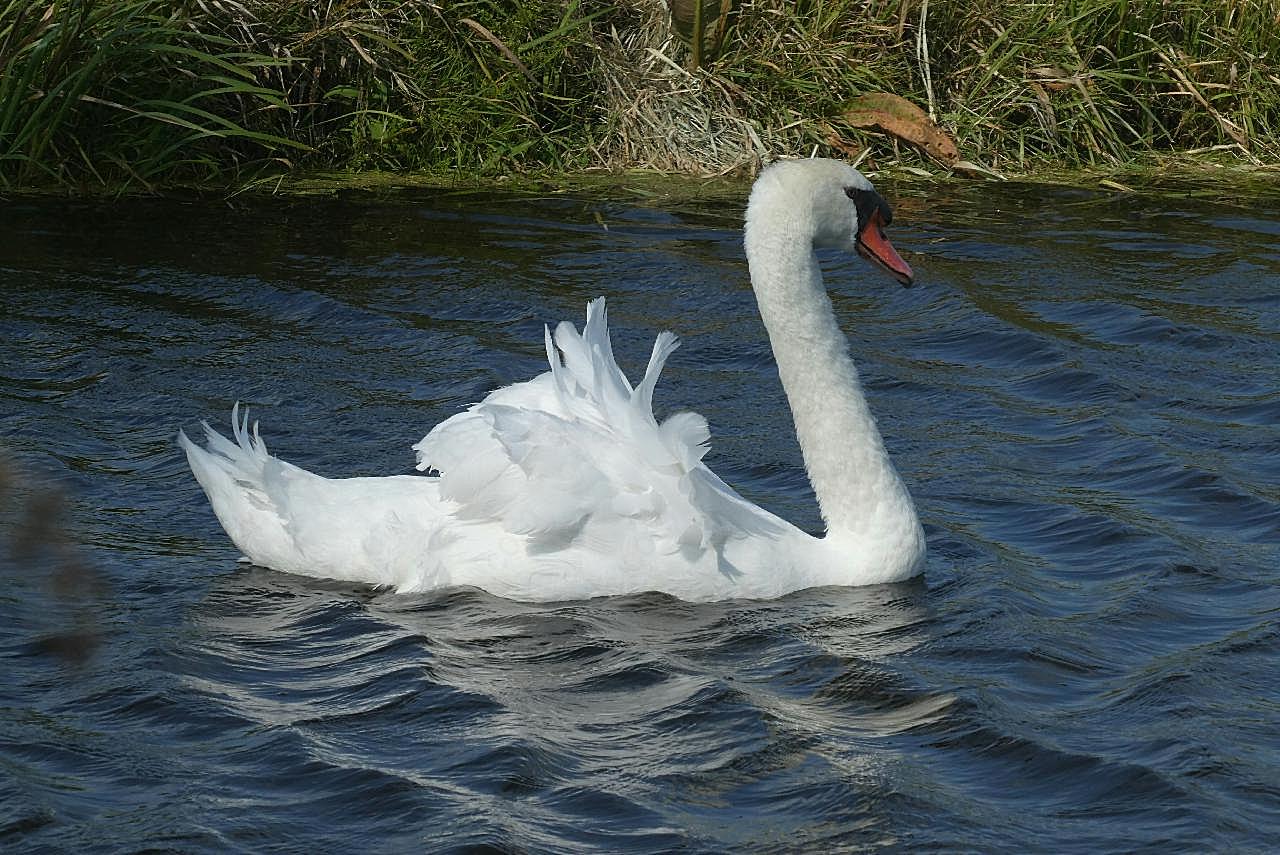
column 857, row 488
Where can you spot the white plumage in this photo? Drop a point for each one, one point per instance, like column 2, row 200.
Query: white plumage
column 566, row 487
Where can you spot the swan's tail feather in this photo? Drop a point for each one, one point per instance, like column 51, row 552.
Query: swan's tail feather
column 235, row 477
column 244, row 460
column 286, row 518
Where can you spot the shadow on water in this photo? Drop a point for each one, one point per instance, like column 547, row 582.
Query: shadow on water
column 1081, row 393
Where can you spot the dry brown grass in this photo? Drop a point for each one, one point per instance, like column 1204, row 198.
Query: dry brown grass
column 487, row 87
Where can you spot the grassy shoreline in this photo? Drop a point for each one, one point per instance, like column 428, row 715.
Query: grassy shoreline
column 143, row 95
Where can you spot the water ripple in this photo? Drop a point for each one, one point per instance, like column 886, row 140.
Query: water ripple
column 1081, row 395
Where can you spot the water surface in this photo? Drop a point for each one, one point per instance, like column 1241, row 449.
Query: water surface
column 1081, row 393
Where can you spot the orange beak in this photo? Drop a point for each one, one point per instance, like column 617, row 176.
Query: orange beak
column 875, row 247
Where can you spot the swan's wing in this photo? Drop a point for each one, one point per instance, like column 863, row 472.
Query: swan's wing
column 578, row 452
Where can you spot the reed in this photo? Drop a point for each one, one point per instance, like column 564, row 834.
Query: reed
column 152, row 92
column 127, row 89
column 1097, row 81
column 1020, row 84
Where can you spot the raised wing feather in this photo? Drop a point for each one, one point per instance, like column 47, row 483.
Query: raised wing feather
column 579, row 448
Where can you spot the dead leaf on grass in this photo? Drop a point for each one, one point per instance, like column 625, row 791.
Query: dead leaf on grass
column 898, row 117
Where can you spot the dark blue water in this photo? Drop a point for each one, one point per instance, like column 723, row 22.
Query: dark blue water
column 1083, row 394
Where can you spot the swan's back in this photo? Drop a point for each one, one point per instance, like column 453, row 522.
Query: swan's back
column 562, row 487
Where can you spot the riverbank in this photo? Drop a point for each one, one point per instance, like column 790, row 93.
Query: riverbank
column 135, row 95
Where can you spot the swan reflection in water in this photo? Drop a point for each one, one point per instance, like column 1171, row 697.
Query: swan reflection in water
column 283, row 651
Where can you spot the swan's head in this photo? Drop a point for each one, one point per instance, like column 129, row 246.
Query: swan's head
column 832, row 201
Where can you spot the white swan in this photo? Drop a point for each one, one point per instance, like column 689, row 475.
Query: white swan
column 565, row 487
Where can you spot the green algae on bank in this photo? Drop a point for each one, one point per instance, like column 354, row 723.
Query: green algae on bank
column 630, row 185
column 1172, row 178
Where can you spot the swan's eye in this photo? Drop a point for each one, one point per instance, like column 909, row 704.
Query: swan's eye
column 868, row 202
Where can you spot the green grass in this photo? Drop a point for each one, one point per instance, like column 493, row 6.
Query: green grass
column 127, row 89
column 145, row 93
